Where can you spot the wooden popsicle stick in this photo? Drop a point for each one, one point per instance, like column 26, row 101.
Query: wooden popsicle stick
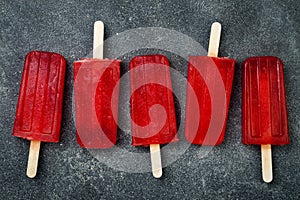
column 214, row 40
column 156, row 160
column 33, row 158
column 266, row 161
column 98, row 40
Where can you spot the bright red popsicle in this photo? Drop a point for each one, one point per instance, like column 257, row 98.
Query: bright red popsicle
column 226, row 69
column 39, row 108
column 155, row 69
column 202, row 69
column 95, row 81
column 264, row 107
column 96, row 106
column 150, row 85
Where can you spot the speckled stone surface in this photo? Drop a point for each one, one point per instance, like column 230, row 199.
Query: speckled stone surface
column 230, row 171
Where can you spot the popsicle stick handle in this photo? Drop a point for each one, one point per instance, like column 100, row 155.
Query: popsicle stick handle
column 156, row 160
column 33, row 158
column 98, row 40
column 214, row 40
column 266, row 161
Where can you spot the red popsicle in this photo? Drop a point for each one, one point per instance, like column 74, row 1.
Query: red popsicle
column 150, row 84
column 39, row 108
column 95, row 79
column 264, row 107
column 203, row 70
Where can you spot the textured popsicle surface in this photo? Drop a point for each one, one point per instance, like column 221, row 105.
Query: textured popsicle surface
column 39, row 107
column 155, row 70
column 196, row 127
column 264, row 103
column 95, row 81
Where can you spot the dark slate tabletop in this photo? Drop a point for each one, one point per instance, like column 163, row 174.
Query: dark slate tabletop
column 229, row 171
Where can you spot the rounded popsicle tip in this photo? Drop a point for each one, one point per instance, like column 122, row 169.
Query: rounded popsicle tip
column 98, row 40
column 155, row 160
column 267, row 179
column 33, row 158
column 98, row 24
column 31, row 174
column 216, row 25
column 214, row 40
column 157, row 173
column 266, row 159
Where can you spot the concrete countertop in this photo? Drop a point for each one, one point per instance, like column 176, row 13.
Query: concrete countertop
column 230, row 171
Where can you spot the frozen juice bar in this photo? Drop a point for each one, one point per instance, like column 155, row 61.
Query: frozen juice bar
column 264, row 116
column 210, row 80
column 150, row 85
column 94, row 83
column 264, row 104
column 196, row 129
column 39, row 108
column 96, row 89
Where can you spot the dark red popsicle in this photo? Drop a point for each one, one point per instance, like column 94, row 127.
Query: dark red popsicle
column 264, row 117
column 39, row 108
column 264, row 103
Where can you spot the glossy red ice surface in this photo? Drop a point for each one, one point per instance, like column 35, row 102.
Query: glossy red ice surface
column 264, row 103
column 96, row 108
column 217, row 71
column 39, row 108
column 156, row 126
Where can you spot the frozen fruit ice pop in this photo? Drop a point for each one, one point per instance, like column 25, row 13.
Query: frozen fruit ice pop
column 225, row 67
column 153, row 69
column 39, row 108
column 152, row 106
column 96, row 88
column 264, row 103
column 95, row 81
column 264, row 116
column 201, row 70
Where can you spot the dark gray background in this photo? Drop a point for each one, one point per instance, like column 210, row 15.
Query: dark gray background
column 231, row 171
